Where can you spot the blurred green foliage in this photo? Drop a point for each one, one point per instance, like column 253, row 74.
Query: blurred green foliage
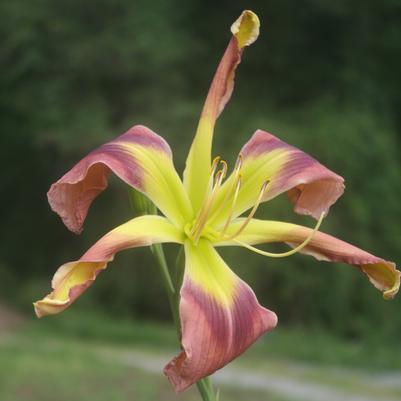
column 323, row 76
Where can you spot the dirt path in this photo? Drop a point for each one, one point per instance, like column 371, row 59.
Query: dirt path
column 372, row 388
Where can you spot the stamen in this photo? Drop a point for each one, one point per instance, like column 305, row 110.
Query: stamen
column 292, row 251
column 209, row 186
column 219, row 177
column 233, row 203
column 265, row 188
column 204, row 212
column 223, row 169
column 213, row 169
column 238, row 165
column 210, row 183
column 236, row 177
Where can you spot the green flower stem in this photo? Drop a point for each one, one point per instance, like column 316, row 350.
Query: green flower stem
column 172, row 295
column 205, row 388
column 179, row 273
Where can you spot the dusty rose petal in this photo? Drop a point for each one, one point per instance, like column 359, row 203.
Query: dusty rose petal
column 245, row 31
column 73, row 278
column 132, row 158
column 220, row 317
column 312, row 187
column 381, row 273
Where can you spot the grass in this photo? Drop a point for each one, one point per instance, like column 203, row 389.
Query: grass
column 63, row 358
column 67, row 370
column 313, row 346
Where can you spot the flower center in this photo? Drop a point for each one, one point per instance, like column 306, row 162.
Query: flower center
column 199, row 227
column 195, row 230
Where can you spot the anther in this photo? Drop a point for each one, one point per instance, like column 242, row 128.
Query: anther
column 224, row 168
column 213, row 168
column 233, row 182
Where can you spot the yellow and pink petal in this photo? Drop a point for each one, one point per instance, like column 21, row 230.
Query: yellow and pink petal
column 73, row 278
column 311, row 187
column 220, row 317
column 245, row 31
column 381, row 273
column 139, row 157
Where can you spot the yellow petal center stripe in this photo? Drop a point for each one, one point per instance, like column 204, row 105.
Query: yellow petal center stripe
column 207, row 270
column 162, row 183
column 75, row 274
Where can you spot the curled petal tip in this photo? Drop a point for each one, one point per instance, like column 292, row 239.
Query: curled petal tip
column 384, row 276
column 37, row 309
column 392, row 292
column 48, row 306
column 73, row 219
column 246, row 28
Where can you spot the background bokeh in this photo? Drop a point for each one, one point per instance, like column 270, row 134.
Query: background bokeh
column 323, row 76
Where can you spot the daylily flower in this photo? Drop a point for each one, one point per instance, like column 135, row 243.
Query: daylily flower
column 219, row 313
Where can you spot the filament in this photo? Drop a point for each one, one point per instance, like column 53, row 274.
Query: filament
column 204, row 212
column 292, row 251
column 265, row 188
column 233, row 203
column 213, row 169
column 223, row 170
column 238, row 164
